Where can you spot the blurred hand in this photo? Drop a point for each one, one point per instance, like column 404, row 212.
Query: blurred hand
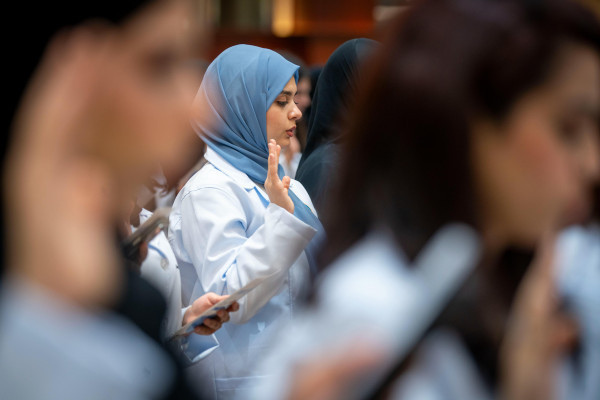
column 203, row 303
column 59, row 200
column 277, row 189
column 537, row 335
column 330, row 376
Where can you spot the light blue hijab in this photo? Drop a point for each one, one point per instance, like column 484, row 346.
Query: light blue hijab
column 230, row 115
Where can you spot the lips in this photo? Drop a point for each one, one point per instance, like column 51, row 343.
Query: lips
column 290, row 132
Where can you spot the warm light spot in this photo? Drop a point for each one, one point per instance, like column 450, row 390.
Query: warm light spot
column 283, row 18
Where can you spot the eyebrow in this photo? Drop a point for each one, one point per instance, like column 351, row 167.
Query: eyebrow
column 287, row 93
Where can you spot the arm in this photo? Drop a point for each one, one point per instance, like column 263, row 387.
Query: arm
column 225, row 258
column 199, row 345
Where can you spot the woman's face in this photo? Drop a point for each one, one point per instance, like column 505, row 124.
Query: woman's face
column 144, row 103
column 282, row 115
column 534, row 171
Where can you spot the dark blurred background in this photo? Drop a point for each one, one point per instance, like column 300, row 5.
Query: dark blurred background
column 311, row 29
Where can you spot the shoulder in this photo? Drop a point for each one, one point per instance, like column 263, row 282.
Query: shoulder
column 210, row 181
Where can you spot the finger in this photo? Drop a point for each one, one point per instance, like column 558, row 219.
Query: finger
column 565, row 332
column 203, row 330
column 212, row 323
column 278, row 151
column 69, row 82
column 202, row 304
column 286, row 182
column 143, row 252
column 545, row 259
column 214, row 298
column 328, row 378
column 234, row 307
column 539, row 281
column 272, row 164
column 223, row 316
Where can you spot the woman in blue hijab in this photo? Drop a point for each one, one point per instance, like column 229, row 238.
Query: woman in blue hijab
column 238, row 219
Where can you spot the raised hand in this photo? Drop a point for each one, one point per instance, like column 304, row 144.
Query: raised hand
column 330, row 377
column 61, row 208
column 538, row 333
column 277, row 189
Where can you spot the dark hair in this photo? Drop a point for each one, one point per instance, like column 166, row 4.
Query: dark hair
column 406, row 159
column 31, row 27
column 335, row 91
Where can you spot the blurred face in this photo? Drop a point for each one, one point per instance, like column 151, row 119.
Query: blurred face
column 303, row 96
column 282, row 115
column 534, row 171
column 147, row 90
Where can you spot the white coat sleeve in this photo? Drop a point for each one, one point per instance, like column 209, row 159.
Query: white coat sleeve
column 214, row 235
column 192, row 348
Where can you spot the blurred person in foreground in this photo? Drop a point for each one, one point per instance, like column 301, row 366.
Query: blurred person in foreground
column 161, row 190
column 99, row 96
column 476, row 131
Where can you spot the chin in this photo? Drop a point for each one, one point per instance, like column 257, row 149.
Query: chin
column 284, row 142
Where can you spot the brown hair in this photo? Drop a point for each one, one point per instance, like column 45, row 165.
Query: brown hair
column 406, row 158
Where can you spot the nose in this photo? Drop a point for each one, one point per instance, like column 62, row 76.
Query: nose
column 295, row 113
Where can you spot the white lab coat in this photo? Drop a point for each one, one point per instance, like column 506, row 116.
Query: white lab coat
column 160, row 269
column 372, row 296
column 51, row 349
column 578, row 281
column 225, row 233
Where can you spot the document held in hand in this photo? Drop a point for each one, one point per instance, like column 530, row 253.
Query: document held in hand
column 223, row 304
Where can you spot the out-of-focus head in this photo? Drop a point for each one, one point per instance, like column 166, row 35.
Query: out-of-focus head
column 477, row 111
column 101, row 99
column 133, row 96
column 141, row 106
column 536, row 168
column 142, row 114
column 335, row 92
column 144, row 102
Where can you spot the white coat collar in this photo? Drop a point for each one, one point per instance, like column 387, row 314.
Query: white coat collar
column 222, row 165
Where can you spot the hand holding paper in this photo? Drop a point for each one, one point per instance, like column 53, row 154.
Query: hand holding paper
column 209, row 325
column 200, row 316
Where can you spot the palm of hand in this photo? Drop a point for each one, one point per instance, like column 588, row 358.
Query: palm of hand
column 277, row 189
